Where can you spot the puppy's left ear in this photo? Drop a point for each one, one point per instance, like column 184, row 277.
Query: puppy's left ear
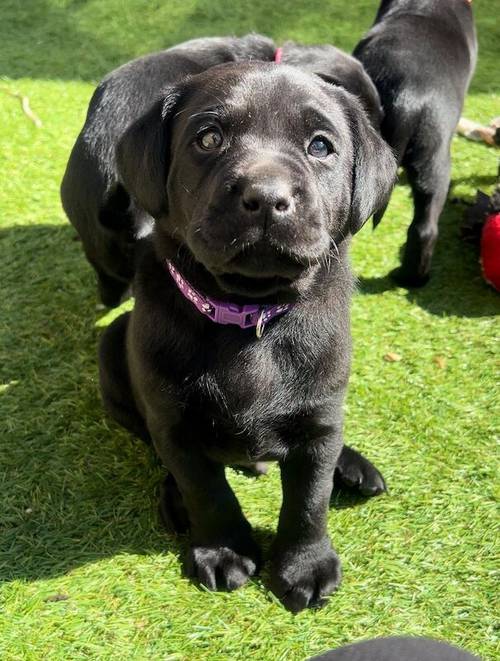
column 374, row 169
column 142, row 154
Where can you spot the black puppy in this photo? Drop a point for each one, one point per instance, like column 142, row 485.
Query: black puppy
column 107, row 218
column 421, row 55
column 256, row 174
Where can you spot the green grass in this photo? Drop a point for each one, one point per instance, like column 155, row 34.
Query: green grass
column 78, row 513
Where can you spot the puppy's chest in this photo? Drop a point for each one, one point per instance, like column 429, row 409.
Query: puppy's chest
column 248, row 408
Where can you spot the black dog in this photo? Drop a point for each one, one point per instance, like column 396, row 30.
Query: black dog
column 256, row 175
column 421, row 55
column 104, row 213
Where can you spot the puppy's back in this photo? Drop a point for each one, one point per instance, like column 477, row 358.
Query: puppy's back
column 421, row 56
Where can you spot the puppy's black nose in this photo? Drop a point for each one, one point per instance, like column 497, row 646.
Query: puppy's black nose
column 267, row 196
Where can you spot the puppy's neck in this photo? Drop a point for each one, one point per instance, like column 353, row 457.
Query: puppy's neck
column 332, row 274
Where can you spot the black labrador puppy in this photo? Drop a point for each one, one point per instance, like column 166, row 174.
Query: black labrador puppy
column 238, row 347
column 106, row 216
column 421, row 55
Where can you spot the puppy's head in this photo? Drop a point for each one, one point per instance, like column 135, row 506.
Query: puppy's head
column 259, row 171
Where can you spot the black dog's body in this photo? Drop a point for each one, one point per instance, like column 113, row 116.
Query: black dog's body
column 97, row 203
column 250, row 206
column 421, row 55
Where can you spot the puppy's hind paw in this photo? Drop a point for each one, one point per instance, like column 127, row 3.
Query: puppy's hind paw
column 356, row 472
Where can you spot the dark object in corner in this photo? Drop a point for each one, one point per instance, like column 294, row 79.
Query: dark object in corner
column 397, row 649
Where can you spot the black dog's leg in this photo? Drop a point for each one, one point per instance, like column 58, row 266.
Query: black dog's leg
column 114, row 379
column 356, row 472
column 305, row 568
column 173, row 513
column 223, row 553
column 429, row 181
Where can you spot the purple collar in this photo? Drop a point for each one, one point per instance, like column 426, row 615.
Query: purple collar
column 221, row 312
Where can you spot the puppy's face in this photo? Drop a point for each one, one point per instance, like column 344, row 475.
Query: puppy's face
column 259, row 181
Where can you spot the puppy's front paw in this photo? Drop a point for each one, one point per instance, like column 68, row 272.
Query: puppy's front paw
column 221, row 567
column 304, row 577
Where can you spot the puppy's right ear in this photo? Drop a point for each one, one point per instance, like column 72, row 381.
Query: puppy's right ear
column 374, row 165
column 142, row 155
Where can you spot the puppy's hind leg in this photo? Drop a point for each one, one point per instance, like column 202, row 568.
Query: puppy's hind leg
column 114, row 379
column 172, row 509
column 356, row 472
column 119, row 403
column 429, row 179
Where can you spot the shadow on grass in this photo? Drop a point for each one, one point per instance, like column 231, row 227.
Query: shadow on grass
column 75, row 487
column 456, row 286
column 40, row 39
column 476, row 181
column 85, row 40
column 344, row 497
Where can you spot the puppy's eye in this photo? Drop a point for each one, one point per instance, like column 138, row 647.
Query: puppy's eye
column 209, row 139
column 320, row 147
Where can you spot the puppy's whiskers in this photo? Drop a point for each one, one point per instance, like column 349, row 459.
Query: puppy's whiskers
column 336, row 248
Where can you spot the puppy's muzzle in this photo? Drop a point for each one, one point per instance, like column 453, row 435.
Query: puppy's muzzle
column 264, row 243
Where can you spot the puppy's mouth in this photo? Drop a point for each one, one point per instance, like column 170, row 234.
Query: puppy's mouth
column 259, row 273
column 252, row 287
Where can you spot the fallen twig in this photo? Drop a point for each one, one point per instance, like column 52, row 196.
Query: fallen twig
column 25, row 105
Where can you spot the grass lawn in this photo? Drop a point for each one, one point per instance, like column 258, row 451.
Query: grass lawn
column 87, row 571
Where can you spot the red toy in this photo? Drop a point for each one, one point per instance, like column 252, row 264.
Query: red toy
column 490, row 250
column 482, row 225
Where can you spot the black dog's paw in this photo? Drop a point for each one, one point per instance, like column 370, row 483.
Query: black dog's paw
column 172, row 511
column 407, row 279
column 222, row 568
column 304, row 577
column 356, row 472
